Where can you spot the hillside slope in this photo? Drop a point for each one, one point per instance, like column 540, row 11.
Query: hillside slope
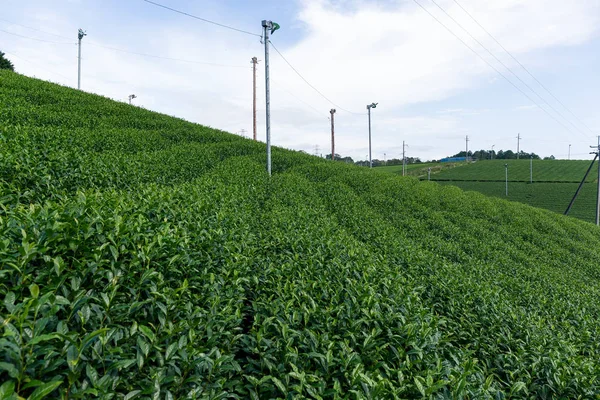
column 147, row 257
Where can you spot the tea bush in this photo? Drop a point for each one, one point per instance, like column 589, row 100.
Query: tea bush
column 142, row 256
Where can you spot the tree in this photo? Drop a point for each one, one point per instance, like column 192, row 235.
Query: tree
column 5, row 63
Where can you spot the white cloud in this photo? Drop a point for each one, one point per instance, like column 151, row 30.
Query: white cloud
column 355, row 52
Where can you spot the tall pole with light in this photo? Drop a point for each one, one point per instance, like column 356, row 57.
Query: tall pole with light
column 254, row 61
column 131, row 97
column 80, row 35
column 369, row 106
column 268, row 28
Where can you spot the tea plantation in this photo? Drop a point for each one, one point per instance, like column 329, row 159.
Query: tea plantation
column 554, row 183
column 518, row 171
column 145, row 257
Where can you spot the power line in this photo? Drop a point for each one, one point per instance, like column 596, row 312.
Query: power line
column 166, row 58
column 303, row 102
column 309, row 84
column 117, row 49
column 201, row 19
column 35, row 29
column 37, row 65
column 522, row 66
column 38, row 40
column 505, row 66
column 491, row 66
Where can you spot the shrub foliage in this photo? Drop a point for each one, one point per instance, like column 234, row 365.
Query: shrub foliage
column 142, row 256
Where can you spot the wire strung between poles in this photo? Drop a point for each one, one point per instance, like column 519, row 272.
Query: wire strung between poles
column 201, row 19
column 309, row 84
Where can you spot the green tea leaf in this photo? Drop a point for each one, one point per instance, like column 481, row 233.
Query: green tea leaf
column 44, row 390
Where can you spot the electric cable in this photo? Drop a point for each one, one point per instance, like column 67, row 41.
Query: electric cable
column 201, row 19
column 309, row 84
column 524, row 68
column 491, row 66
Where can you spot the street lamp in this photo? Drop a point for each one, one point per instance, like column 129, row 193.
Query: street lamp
column 369, row 106
column 131, row 97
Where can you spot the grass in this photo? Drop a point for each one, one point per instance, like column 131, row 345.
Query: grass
column 142, row 256
column 518, row 171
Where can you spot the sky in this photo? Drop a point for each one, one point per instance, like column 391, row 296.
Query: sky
column 432, row 88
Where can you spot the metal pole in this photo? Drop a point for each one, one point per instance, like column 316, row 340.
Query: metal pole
column 569, row 152
column 492, row 154
column 531, row 170
column 506, row 173
column 518, row 144
column 79, row 66
column 370, row 161
column 80, row 35
column 598, row 194
column 332, row 111
column 254, row 62
column 267, row 25
column 467, row 148
column 429, row 174
column 403, row 158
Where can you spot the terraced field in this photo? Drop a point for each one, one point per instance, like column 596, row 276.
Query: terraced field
column 518, row 171
column 551, row 196
column 554, row 183
column 145, row 257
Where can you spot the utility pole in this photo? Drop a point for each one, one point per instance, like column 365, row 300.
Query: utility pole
column 492, row 153
column 131, row 97
column 569, row 152
column 80, row 35
column 506, row 180
column 332, row 111
column 254, row 62
column 598, row 194
column 268, row 27
column 467, row 148
column 518, row 145
column 385, row 158
column 403, row 158
column 369, row 106
column 429, row 173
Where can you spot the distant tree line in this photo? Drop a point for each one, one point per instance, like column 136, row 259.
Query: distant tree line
column 376, row 162
column 496, row 155
column 473, row 155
